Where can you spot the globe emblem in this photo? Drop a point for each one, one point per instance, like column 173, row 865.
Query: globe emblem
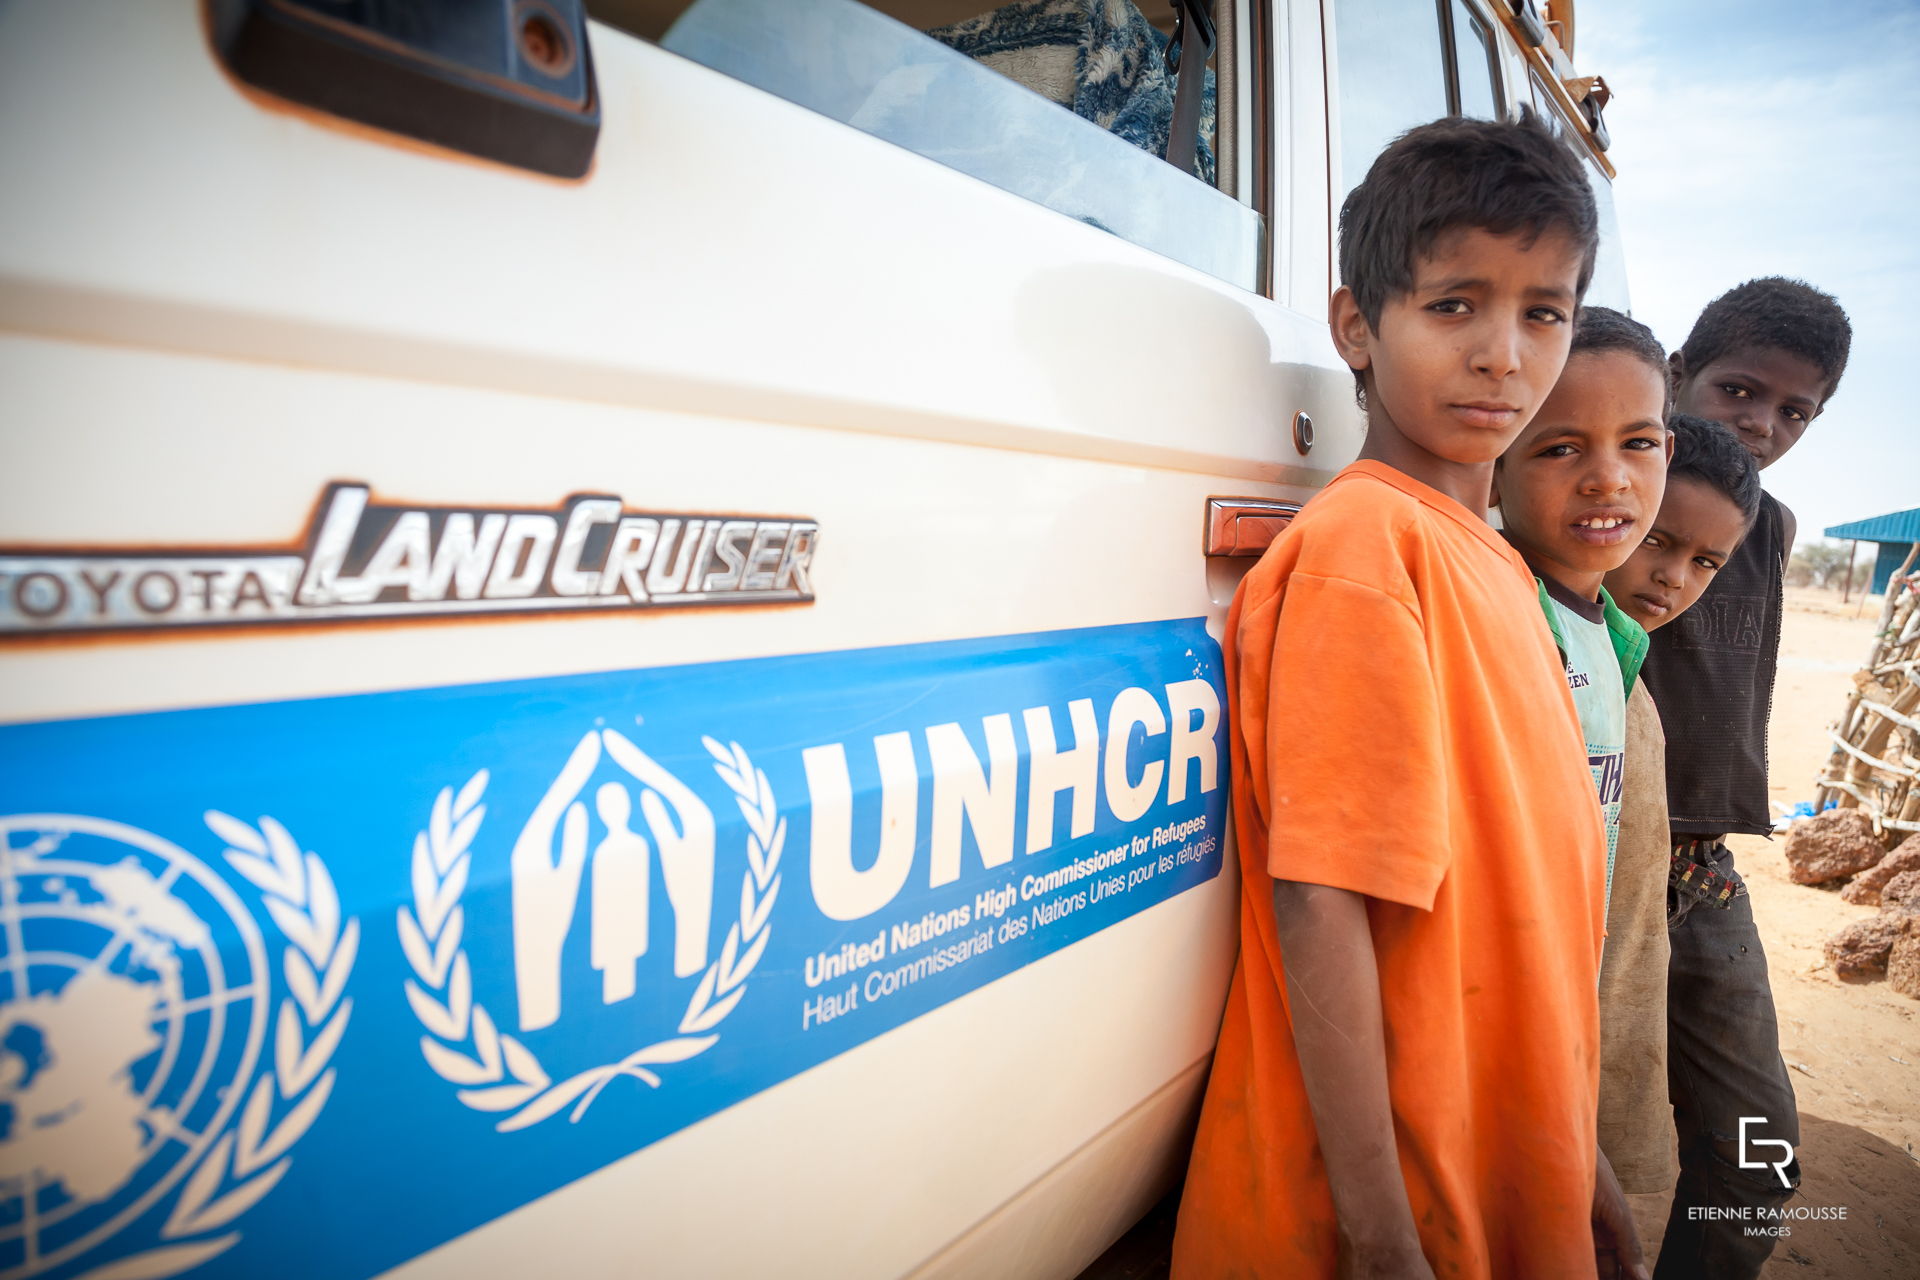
column 134, row 1000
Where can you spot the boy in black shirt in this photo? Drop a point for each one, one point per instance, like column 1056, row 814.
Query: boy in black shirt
column 1762, row 359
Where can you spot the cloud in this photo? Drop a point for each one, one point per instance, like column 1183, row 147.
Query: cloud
column 1758, row 139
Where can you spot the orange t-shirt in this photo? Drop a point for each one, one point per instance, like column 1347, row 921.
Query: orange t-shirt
column 1402, row 729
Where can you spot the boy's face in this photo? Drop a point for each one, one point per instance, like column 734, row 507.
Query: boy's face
column 1766, row 395
column 1460, row 362
column 1697, row 529
column 1579, row 487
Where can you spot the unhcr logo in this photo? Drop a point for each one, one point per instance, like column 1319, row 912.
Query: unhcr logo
column 365, row 560
column 556, row 860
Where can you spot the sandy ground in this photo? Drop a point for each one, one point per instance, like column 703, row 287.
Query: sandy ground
column 1853, row 1049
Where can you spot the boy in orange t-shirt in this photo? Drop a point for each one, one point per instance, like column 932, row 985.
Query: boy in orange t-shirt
column 1406, row 1076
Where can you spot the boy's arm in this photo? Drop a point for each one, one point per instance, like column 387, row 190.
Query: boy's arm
column 1789, row 530
column 1616, row 1243
column 1333, row 993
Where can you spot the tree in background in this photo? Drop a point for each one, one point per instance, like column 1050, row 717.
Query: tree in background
column 1823, row 564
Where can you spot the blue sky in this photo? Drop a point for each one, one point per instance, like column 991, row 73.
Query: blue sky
column 1759, row 137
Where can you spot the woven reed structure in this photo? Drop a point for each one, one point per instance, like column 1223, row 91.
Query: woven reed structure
column 1875, row 764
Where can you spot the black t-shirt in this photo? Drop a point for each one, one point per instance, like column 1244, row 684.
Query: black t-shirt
column 1711, row 672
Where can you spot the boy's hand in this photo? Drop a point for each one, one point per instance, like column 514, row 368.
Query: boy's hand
column 1616, row 1245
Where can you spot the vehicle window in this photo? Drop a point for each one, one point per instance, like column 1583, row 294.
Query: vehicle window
column 1543, row 103
column 1065, row 102
column 1609, row 287
column 1476, row 69
column 1392, row 72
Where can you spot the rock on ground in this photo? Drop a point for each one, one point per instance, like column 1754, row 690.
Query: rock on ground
column 1864, row 889
column 1903, row 965
column 1901, row 894
column 1832, row 845
column 1860, row 950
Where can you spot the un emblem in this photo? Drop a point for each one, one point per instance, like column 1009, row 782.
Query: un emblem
column 562, row 852
column 136, row 1007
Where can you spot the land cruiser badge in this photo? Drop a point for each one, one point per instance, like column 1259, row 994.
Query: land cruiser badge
column 365, row 560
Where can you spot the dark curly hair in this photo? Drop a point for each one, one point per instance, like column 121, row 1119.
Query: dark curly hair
column 1713, row 455
column 1599, row 329
column 1498, row 176
column 1773, row 311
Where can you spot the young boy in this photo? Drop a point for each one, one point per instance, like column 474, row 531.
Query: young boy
column 1576, row 492
column 1713, row 495
column 1762, row 359
column 1405, row 1079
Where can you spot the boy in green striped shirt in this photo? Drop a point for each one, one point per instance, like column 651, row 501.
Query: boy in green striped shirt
column 1577, row 492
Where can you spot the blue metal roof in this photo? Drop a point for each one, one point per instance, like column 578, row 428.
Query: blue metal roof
column 1895, row 526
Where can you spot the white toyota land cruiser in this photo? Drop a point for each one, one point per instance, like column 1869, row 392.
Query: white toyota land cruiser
column 608, row 613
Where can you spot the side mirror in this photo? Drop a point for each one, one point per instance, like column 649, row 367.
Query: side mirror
column 1533, row 31
column 1592, row 95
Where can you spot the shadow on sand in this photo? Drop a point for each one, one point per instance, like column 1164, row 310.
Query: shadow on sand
column 1843, row 1167
column 1876, row 1182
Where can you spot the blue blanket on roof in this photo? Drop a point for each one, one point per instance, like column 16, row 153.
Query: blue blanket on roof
column 1119, row 81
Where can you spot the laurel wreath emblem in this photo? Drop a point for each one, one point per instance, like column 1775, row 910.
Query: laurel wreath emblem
column 496, row 1072
column 249, row 1161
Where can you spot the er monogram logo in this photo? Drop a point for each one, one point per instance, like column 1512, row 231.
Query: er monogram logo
column 1779, row 1167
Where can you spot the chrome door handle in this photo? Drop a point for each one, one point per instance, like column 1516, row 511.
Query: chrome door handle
column 1245, row 526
